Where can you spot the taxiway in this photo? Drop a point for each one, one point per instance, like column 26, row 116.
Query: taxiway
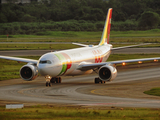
column 125, row 91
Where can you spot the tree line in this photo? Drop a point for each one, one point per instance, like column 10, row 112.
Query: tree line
column 80, row 15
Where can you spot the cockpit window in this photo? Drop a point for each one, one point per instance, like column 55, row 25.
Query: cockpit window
column 45, row 62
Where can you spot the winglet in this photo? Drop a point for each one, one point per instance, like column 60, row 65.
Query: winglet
column 106, row 30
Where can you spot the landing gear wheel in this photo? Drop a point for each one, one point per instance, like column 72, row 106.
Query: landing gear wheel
column 57, row 80
column 97, row 80
column 102, row 82
column 60, row 80
column 53, row 80
column 47, row 84
column 50, row 84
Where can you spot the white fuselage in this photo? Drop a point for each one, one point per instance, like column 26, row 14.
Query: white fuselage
column 66, row 62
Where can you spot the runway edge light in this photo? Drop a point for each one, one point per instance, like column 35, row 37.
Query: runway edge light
column 123, row 63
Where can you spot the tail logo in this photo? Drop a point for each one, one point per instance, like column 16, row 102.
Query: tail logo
column 106, row 30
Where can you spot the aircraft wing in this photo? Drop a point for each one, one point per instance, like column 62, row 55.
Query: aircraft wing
column 117, row 48
column 20, row 59
column 89, row 66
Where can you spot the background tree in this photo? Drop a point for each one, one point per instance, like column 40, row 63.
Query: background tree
column 149, row 20
column 79, row 15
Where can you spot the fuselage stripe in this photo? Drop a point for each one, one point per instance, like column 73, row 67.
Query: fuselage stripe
column 65, row 61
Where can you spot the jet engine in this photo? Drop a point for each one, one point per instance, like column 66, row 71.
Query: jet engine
column 107, row 73
column 28, row 72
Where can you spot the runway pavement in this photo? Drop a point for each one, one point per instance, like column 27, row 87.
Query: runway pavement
column 41, row 52
column 125, row 91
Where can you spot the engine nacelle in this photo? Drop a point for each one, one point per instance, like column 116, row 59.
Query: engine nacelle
column 107, row 73
column 28, row 72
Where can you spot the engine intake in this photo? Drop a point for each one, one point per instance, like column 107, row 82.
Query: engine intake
column 107, row 73
column 28, row 72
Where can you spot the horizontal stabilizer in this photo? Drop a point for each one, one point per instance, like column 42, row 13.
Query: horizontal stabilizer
column 79, row 44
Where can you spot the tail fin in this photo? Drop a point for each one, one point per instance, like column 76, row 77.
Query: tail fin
column 106, row 30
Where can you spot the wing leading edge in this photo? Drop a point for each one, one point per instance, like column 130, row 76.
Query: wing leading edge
column 89, row 66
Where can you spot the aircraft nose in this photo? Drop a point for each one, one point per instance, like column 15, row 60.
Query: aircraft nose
column 42, row 69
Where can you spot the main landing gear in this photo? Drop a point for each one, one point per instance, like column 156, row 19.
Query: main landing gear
column 50, row 81
column 97, row 81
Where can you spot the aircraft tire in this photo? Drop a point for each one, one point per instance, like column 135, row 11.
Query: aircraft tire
column 50, row 84
column 47, row 84
column 60, row 79
column 57, row 80
column 102, row 82
column 97, row 80
column 53, row 80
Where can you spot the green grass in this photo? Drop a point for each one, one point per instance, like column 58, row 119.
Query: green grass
column 86, row 34
column 78, row 113
column 36, row 46
column 154, row 91
column 10, row 69
column 72, row 36
column 53, row 47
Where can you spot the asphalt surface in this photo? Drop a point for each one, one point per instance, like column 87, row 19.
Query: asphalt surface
column 41, row 52
column 125, row 91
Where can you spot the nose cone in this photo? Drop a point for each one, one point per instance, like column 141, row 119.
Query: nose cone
column 49, row 64
column 45, row 62
column 51, row 70
column 42, row 69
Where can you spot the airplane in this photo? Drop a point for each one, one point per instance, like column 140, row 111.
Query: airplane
column 78, row 61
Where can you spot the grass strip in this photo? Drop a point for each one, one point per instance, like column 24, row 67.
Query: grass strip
column 153, row 91
column 53, row 47
column 81, row 36
column 33, row 46
column 78, row 113
column 87, row 34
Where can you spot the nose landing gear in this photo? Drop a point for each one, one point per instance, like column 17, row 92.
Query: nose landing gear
column 50, row 80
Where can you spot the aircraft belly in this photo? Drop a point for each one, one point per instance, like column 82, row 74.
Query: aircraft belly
column 79, row 72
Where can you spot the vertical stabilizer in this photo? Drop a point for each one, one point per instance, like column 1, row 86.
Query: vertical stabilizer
column 106, row 30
